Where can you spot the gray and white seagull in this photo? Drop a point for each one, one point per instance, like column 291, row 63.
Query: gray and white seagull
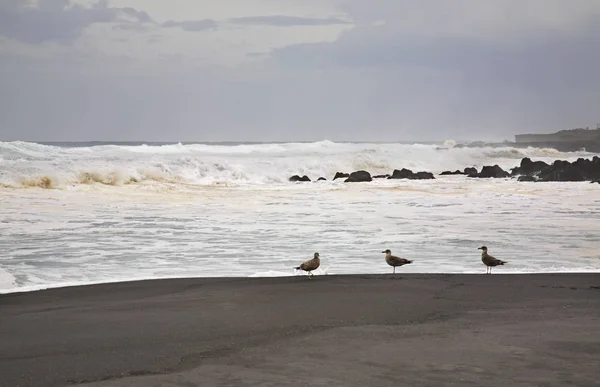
column 395, row 261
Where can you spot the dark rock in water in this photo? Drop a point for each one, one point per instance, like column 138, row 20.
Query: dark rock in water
column 492, row 172
column 298, row 178
column 529, row 167
column 580, row 170
column 526, row 178
column 402, row 174
column 470, row 171
column 560, row 170
column 321, row 179
column 381, row 176
column 424, row 176
column 595, row 181
column 560, row 164
column 340, row 175
column 590, row 168
column 457, row 172
column 358, row 176
column 408, row 174
column 564, row 173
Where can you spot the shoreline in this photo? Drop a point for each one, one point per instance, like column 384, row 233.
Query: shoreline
column 41, row 288
column 339, row 330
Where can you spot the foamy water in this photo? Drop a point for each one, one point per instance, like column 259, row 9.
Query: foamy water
column 113, row 213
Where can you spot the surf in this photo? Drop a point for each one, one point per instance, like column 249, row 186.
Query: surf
column 34, row 165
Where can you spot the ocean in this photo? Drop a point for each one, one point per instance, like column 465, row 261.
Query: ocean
column 84, row 213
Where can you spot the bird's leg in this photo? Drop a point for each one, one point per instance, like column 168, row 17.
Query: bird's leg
column 394, row 269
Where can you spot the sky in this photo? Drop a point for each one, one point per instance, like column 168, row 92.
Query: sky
column 296, row 70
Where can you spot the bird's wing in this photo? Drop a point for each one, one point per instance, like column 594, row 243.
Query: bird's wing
column 303, row 265
column 315, row 264
column 398, row 260
column 496, row 260
column 493, row 261
column 311, row 264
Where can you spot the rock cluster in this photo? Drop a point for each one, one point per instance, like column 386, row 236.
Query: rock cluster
column 364, row 176
column 408, row 174
column 298, row 178
column 560, row 170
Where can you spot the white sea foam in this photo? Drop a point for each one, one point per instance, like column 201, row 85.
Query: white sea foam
column 7, row 281
column 34, row 165
column 208, row 211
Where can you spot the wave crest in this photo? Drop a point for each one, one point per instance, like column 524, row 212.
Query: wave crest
column 40, row 182
column 43, row 166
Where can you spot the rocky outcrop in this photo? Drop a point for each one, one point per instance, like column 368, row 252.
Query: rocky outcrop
column 491, row 172
column 298, row 178
column 528, row 167
column 341, row 175
column 527, row 178
column 401, row 174
column 457, row 172
column 424, row 176
column 358, row 176
column 528, row 170
column 470, row 171
column 560, row 170
column 563, row 173
column 408, row 174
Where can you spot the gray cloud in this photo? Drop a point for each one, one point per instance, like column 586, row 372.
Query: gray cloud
column 485, row 77
column 286, row 21
column 192, row 25
column 544, row 79
column 551, row 55
column 58, row 21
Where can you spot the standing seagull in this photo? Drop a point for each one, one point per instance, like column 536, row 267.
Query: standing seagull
column 310, row 265
column 488, row 260
column 394, row 261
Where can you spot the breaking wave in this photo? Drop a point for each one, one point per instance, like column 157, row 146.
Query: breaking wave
column 7, row 280
column 26, row 164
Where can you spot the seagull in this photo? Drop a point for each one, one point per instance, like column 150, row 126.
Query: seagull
column 488, row 260
column 394, row 261
column 310, row 265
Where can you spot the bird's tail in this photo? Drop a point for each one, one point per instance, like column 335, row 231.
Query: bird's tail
column 410, row 261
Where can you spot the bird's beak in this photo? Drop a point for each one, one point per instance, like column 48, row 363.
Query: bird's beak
column 479, row 248
column 383, row 251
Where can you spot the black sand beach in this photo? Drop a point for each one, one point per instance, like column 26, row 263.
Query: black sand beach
column 362, row 330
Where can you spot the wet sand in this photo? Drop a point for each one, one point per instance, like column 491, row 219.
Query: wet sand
column 362, row 330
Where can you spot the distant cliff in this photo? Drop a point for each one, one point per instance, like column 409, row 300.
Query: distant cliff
column 571, row 140
column 579, row 135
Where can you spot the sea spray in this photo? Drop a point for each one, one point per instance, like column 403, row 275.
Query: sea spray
column 27, row 164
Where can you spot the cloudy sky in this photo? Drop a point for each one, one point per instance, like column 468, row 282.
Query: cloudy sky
column 280, row 70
